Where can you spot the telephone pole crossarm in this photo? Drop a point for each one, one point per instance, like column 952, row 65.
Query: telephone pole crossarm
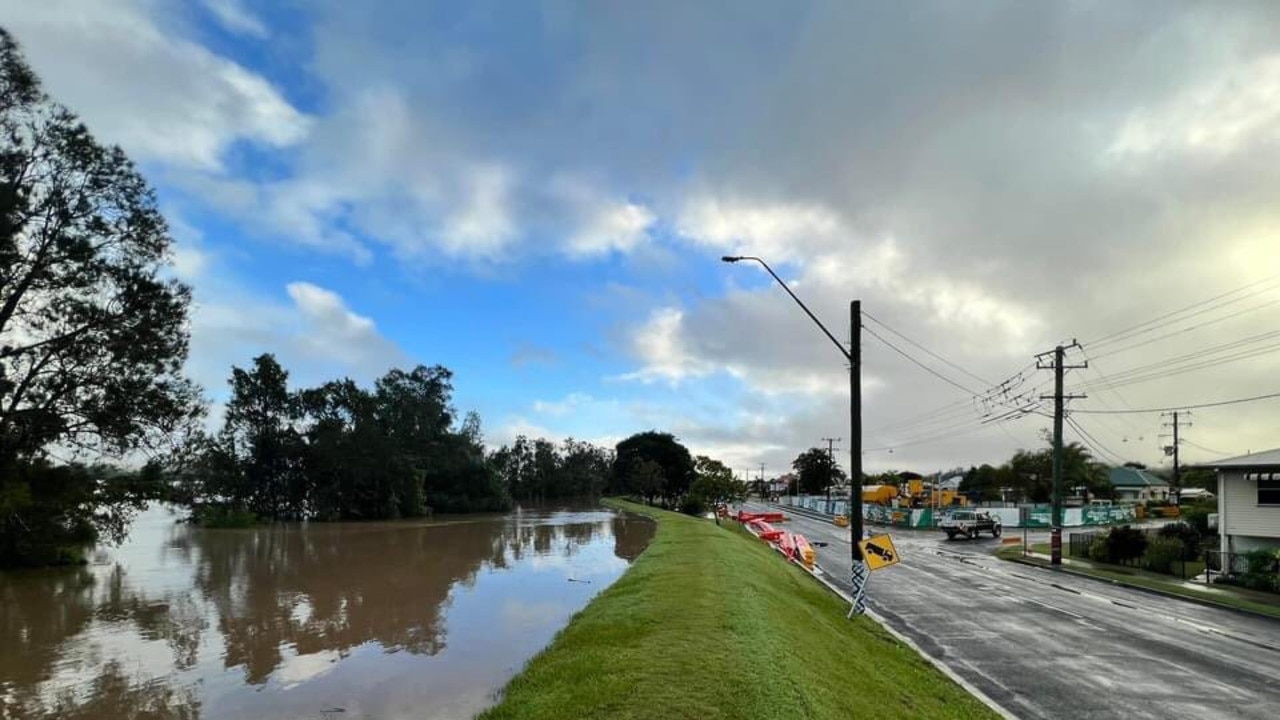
column 1059, row 397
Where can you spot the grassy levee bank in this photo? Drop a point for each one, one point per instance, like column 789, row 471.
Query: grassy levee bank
column 710, row 623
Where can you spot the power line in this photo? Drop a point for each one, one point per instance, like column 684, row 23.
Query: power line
column 959, row 408
column 1219, row 403
column 1208, row 450
column 1135, row 330
column 1197, row 326
column 917, row 363
column 1092, row 367
column 925, row 349
column 1135, row 376
column 1094, row 443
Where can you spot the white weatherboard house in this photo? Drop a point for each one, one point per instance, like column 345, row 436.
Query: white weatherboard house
column 1137, row 486
column 1249, row 501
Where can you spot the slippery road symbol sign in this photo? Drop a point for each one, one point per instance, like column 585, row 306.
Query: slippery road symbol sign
column 878, row 552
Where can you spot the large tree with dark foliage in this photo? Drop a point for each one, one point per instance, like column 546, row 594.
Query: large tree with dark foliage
column 658, row 447
column 817, row 471
column 93, row 336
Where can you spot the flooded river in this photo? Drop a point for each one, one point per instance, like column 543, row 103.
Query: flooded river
column 375, row 620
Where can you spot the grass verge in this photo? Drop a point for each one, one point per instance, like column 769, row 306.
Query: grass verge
column 710, row 623
column 1216, row 594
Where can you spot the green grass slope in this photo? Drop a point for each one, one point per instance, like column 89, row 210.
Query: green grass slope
column 710, row 623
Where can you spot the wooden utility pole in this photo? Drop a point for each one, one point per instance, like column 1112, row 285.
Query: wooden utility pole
column 1173, row 449
column 831, row 467
column 1059, row 368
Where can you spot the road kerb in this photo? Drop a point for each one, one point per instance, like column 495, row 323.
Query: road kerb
column 942, row 667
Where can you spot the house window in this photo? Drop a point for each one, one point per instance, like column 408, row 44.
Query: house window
column 1269, row 489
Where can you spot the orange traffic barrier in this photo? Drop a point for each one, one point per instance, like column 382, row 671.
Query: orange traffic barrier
column 787, row 545
column 772, row 516
column 765, row 530
column 804, row 552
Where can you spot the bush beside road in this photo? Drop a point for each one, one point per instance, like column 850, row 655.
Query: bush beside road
column 711, row 623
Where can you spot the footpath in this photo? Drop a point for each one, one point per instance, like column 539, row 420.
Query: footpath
column 1217, row 595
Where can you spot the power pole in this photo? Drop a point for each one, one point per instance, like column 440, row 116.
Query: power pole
column 831, row 466
column 1177, row 469
column 1059, row 368
column 855, row 456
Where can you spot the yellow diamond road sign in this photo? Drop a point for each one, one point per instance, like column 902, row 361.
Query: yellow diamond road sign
column 878, row 552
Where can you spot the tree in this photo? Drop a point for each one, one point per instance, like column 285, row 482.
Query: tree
column 645, row 478
column 260, row 435
column 816, row 471
column 1200, row 478
column 986, row 482
column 663, row 449
column 715, row 484
column 584, row 469
column 1032, row 473
column 93, row 336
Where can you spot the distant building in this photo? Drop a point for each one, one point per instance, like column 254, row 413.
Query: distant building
column 1249, row 501
column 1194, row 494
column 1137, row 486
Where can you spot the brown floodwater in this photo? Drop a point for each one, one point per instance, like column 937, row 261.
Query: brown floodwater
column 334, row 621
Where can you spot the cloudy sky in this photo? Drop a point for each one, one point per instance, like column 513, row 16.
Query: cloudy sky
column 537, row 195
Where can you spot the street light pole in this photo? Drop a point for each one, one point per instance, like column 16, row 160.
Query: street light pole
column 852, row 354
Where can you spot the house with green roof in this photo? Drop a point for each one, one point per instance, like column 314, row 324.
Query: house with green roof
column 1137, row 486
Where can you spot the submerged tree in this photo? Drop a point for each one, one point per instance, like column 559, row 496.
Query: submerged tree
column 93, row 335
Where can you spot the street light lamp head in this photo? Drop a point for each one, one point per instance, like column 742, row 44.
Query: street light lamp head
column 731, row 258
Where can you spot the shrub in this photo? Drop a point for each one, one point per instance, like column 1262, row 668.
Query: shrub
column 1187, row 535
column 1261, row 571
column 1162, row 553
column 1197, row 515
column 1099, row 550
column 1125, row 544
column 692, row 506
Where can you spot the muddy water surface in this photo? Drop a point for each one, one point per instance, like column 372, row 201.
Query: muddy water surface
column 374, row 620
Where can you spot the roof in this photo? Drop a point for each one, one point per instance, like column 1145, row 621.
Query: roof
column 1264, row 459
column 1133, row 477
column 1195, row 492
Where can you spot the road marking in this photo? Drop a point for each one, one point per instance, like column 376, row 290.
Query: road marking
column 1052, row 607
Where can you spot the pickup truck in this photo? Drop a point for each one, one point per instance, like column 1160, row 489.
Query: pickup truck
column 969, row 523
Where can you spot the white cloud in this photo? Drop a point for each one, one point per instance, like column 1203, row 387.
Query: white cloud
column 1238, row 109
column 329, row 331
column 163, row 98
column 315, row 334
column 561, row 408
column 661, row 348
column 483, row 225
column 617, row 227
column 232, row 15
column 781, row 231
column 599, row 225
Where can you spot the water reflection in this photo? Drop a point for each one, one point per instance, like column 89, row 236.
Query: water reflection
column 386, row 619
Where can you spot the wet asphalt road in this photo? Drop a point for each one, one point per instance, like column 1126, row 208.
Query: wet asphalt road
column 1043, row 644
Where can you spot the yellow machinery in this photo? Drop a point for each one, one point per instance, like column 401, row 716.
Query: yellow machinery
column 879, row 494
